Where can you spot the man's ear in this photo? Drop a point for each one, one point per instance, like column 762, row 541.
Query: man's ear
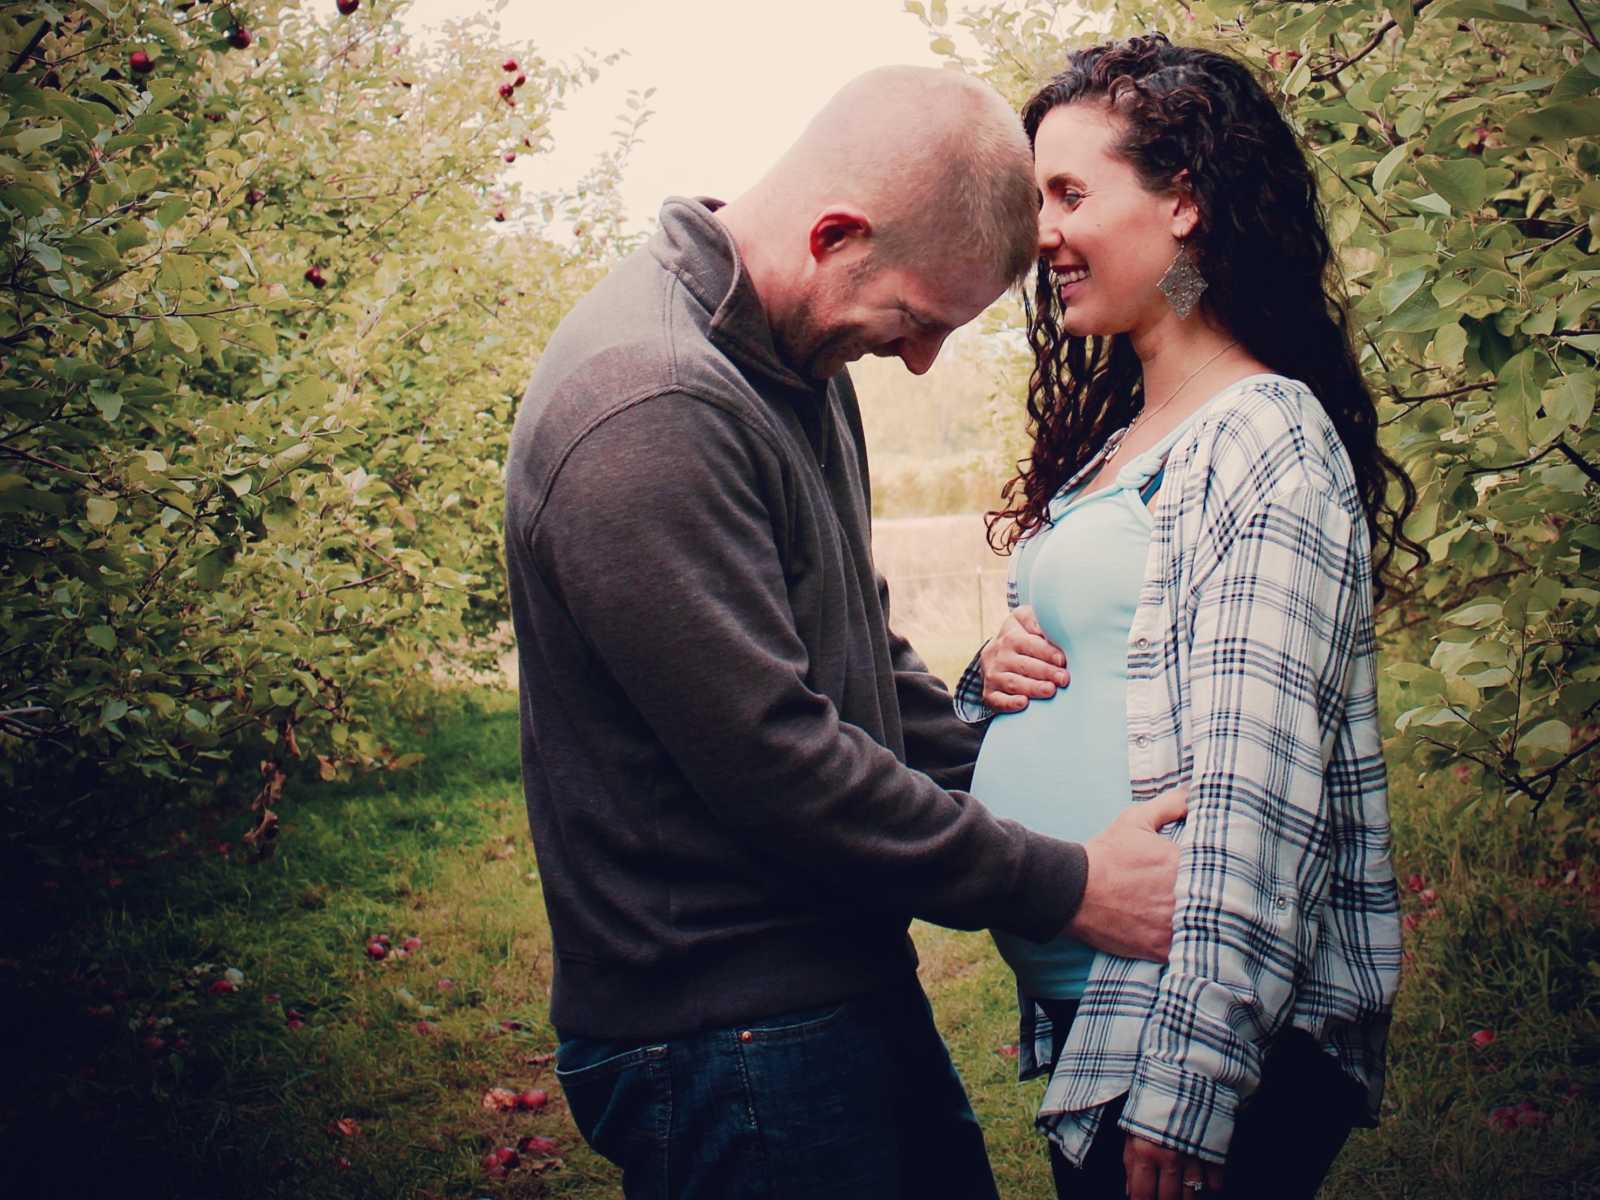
column 1185, row 212
column 838, row 228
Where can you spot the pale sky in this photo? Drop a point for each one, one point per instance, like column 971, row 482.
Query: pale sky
column 735, row 80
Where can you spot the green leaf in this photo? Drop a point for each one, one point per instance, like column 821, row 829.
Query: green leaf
column 1552, row 736
column 1450, row 344
column 178, row 332
column 1572, row 401
column 29, row 140
column 1400, row 289
column 209, row 570
column 103, row 636
column 1389, row 164
column 1462, row 181
column 109, row 404
column 101, row 511
column 1516, row 398
column 1488, row 10
column 1555, row 122
column 1475, row 612
column 113, row 710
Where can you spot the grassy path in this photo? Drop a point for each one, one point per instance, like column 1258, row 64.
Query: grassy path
column 329, row 1073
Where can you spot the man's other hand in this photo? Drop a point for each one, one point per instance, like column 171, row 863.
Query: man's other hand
column 1133, row 871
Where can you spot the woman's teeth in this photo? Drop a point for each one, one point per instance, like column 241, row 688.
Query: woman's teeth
column 1065, row 277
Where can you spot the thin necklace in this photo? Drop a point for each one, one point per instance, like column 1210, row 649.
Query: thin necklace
column 1116, row 440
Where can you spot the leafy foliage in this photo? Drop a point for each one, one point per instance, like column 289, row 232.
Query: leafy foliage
column 265, row 314
column 1455, row 140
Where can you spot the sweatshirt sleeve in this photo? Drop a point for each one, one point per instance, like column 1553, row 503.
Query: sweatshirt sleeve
column 658, row 535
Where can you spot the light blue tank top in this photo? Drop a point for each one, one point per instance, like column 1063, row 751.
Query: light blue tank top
column 1060, row 766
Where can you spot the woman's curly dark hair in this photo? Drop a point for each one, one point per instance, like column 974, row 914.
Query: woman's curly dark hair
column 1261, row 245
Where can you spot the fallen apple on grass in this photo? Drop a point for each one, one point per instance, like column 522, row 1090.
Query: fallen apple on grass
column 533, row 1099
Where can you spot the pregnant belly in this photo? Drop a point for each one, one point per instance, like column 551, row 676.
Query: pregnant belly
column 1060, row 766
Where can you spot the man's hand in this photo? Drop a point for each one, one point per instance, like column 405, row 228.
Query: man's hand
column 1133, row 871
column 1157, row 1173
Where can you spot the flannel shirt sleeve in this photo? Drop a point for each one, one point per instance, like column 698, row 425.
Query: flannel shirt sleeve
column 1274, row 637
column 969, row 692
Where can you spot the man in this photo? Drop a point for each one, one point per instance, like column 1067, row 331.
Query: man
column 741, row 784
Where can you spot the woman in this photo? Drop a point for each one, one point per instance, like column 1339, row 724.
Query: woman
column 1195, row 531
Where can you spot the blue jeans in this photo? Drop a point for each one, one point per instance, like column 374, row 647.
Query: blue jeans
column 851, row 1100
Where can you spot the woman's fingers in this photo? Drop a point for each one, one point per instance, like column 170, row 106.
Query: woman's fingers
column 1021, row 664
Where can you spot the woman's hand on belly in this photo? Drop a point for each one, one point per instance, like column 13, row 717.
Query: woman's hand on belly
column 1020, row 663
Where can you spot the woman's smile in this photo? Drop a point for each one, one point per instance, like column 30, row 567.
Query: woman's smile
column 1070, row 280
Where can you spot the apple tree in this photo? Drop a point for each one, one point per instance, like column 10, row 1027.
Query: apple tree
column 1456, row 145
column 268, row 301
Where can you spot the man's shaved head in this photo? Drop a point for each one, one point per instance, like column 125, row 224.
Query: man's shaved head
column 938, row 161
column 906, row 206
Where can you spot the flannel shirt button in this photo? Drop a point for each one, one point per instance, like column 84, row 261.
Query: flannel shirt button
column 1142, row 741
column 1281, row 903
column 1143, row 643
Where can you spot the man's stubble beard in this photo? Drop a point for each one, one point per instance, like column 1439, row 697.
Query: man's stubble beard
column 808, row 345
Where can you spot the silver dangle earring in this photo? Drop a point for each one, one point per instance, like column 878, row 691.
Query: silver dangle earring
column 1183, row 284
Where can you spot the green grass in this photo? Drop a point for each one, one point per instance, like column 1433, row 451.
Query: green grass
column 441, row 852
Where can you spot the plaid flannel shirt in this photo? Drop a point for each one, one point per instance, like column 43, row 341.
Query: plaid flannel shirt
column 1251, row 676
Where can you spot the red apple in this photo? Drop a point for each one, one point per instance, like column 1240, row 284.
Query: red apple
column 254, row 196
column 511, row 156
column 1482, row 1038
column 510, row 64
column 506, row 91
column 412, row 944
column 500, row 214
column 534, row 1144
column 533, row 1099
column 140, row 63
column 346, row 7
column 377, row 950
column 315, row 277
column 240, row 38
column 519, row 81
column 222, row 987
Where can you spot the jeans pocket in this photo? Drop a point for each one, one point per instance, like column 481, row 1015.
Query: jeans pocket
column 801, row 1023
column 621, row 1101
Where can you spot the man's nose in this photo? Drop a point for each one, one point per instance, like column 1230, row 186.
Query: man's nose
column 919, row 353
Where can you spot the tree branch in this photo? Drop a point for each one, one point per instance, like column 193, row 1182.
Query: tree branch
column 1588, row 29
column 1579, row 461
column 33, row 44
column 1376, row 41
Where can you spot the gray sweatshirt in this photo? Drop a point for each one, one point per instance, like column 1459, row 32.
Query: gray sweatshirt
column 741, row 784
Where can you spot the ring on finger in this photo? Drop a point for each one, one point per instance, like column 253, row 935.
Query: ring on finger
column 1195, row 1185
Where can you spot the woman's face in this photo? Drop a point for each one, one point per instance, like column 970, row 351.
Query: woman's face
column 1105, row 237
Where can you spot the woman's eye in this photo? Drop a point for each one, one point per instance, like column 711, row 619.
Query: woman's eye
column 1071, row 199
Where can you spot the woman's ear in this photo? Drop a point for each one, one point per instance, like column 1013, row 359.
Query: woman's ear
column 1185, row 212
